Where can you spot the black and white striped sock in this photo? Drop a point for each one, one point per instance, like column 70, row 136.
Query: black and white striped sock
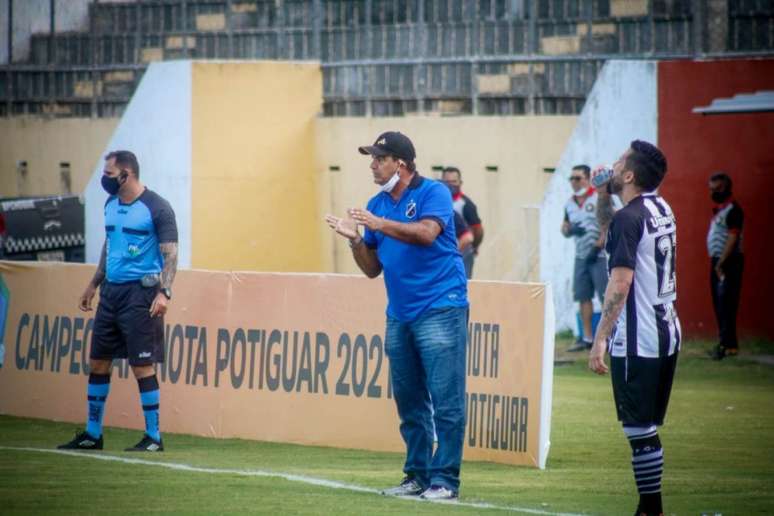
column 648, row 466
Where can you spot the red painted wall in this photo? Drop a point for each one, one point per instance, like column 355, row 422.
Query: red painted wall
column 696, row 146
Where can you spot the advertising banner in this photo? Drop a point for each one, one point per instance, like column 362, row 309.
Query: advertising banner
column 294, row 358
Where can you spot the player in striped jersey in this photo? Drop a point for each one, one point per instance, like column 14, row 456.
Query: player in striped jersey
column 639, row 325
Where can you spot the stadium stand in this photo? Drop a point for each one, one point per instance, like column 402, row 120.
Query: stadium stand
column 381, row 57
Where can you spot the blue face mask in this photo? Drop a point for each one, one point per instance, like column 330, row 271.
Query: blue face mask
column 113, row 184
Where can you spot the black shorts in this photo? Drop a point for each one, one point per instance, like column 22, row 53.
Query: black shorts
column 641, row 388
column 123, row 327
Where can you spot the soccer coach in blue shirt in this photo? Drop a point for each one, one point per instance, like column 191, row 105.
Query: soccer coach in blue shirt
column 409, row 234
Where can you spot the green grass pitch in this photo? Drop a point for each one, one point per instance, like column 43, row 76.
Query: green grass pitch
column 718, row 444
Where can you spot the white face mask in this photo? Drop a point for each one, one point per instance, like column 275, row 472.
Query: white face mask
column 579, row 191
column 389, row 185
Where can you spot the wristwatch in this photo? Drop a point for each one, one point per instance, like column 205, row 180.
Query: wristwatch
column 354, row 242
column 167, row 292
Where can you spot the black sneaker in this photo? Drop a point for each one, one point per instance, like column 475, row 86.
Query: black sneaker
column 580, row 345
column 721, row 352
column 407, row 487
column 147, row 443
column 82, row 441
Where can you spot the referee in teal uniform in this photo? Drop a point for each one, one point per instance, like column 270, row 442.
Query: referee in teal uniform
column 135, row 274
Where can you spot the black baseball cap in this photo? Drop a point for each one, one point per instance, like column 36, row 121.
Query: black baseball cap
column 391, row 143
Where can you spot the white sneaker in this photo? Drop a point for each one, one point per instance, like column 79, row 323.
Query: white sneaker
column 407, row 487
column 439, row 493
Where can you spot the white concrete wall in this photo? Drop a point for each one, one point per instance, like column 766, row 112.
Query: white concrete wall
column 34, row 16
column 622, row 107
column 156, row 126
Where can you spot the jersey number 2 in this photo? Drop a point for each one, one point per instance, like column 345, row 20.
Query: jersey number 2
column 665, row 261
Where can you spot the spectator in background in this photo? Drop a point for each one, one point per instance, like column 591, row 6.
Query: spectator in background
column 464, row 234
column 724, row 244
column 590, row 276
column 467, row 209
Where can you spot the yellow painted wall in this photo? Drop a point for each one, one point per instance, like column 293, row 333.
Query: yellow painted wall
column 254, row 170
column 507, row 200
column 261, row 178
column 43, row 144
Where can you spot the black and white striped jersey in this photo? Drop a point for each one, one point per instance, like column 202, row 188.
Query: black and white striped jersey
column 643, row 237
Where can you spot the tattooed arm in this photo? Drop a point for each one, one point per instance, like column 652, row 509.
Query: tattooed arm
column 85, row 301
column 615, row 297
column 169, row 253
column 605, row 214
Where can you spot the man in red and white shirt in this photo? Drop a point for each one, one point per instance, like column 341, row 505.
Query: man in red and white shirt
column 468, row 211
column 724, row 246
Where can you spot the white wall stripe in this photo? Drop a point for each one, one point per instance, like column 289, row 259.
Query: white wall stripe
column 600, row 136
column 156, row 126
column 320, row 482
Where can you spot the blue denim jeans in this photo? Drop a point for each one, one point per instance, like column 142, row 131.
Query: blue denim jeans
column 427, row 362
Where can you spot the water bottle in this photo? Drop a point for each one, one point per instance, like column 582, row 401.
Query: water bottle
column 601, row 176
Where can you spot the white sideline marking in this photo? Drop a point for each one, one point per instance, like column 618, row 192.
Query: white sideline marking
column 332, row 484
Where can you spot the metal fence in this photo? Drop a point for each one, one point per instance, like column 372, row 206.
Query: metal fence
column 384, row 57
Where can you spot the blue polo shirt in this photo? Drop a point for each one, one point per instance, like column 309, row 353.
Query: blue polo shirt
column 134, row 232
column 419, row 277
